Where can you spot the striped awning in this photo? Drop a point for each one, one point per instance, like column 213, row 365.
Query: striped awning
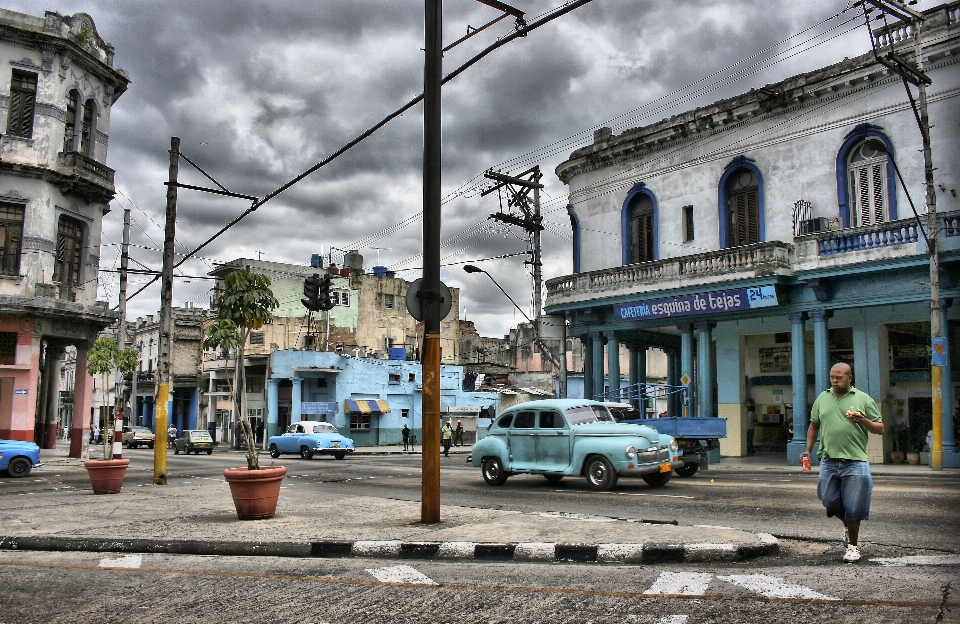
column 367, row 406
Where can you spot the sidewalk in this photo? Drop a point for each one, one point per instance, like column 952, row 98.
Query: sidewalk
column 196, row 516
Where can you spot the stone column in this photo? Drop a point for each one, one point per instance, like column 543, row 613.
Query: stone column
column 613, row 365
column 686, row 358
column 638, row 375
column 82, row 387
column 587, row 343
column 596, row 342
column 54, row 364
column 821, row 351
column 798, row 354
column 705, row 364
column 295, row 398
column 273, row 406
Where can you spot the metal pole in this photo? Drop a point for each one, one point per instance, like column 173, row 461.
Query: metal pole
column 166, row 321
column 537, row 276
column 432, row 76
column 122, row 335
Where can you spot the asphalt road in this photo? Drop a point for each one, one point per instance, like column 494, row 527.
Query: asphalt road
column 912, row 516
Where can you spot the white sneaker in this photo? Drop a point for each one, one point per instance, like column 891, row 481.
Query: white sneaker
column 852, row 554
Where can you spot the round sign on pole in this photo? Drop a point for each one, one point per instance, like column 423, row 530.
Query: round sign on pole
column 415, row 301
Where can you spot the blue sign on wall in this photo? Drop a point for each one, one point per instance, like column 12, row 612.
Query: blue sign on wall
column 703, row 303
column 319, row 407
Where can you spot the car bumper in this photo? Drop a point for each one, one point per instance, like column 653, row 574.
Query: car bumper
column 333, row 451
column 639, row 471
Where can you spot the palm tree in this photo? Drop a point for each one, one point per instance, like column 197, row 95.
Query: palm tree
column 245, row 303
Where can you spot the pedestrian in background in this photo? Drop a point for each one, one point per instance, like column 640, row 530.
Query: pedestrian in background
column 446, row 436
column 844, row 417
column 66, row 432
column 406, row 437
column 458, row 434
column 751, row 426
column 172, row 433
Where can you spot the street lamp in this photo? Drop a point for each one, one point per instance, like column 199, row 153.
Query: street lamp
column 469, row 268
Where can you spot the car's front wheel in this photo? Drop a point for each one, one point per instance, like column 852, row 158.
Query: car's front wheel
column 19, row 467
column 305, row 452
column 600, row 474
column 493, row 472
column 150, row 445
column 657, row 480
column 274, row 451
column 209, row 451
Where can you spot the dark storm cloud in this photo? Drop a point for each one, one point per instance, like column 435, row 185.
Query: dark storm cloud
column 260, row 91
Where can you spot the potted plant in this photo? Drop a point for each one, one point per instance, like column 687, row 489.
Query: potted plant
column 915, row 441
column 896, row 455
column 246, row 303
column 106, row 475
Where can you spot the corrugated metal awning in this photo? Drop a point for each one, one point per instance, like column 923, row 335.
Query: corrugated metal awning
column 366, row 406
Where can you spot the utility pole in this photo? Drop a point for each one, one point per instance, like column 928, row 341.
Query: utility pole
column 166, row 321
column 912, row 73
column 122, row 333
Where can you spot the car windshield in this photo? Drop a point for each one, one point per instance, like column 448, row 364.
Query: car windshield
column 585, row 414
column 324, row 428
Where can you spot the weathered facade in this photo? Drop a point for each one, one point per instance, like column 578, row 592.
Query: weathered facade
column 54, row 191
column 766, row 236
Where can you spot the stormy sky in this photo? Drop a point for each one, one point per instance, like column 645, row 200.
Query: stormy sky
column 259, row 91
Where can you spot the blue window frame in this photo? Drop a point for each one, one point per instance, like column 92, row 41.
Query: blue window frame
column 740, row 204
column 639, row 226
column 851, row 149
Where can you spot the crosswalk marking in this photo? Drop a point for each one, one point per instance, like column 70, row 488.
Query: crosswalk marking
column 673, row 619
column 124, row 561
column 401, row 574
column 935, row 560
column 773, row 587
column 682, row 583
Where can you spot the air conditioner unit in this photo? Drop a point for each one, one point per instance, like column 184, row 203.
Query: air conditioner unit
column 812, row 226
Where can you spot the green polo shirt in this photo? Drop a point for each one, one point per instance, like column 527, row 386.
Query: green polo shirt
column 841, row 438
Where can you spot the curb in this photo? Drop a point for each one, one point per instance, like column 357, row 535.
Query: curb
column 477, row 551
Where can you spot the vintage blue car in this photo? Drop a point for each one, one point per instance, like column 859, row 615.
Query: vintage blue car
column 18, row 458
column 309, row 437
column 573, row 437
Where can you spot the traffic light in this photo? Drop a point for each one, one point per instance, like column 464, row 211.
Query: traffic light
column 324, row 302
column 311, row 289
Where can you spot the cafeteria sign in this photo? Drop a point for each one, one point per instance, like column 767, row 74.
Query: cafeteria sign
column 704, row 303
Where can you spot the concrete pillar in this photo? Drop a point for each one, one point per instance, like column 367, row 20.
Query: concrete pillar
column 295, row 399
column 951, row 455
column 686, row 358
column 51, row 382
column 798, row 354
column 587, row 343
column 273, row 406
column 705, row 367
column 613, row 365
column 638, row 374
column 82, row 399
column 674, row 400
column 596, row 342
column 821, row 352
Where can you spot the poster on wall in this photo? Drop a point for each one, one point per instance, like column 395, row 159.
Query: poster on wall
column 775, row 360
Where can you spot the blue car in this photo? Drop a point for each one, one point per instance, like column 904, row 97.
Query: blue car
column 309, row 437
column 18, row 458
column 573, row 437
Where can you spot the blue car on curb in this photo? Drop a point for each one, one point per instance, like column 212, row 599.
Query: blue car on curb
column 573, row 437
column 18, row 458
column 309, row 437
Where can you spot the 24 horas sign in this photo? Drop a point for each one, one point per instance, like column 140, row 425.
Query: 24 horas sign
column 702, row 303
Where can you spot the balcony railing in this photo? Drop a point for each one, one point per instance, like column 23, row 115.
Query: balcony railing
column 86, row 167
column 901, row 232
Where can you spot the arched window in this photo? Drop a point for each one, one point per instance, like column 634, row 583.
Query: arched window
column 865, row 194
column 88, row 129
column 638, row 223
column 741, row 204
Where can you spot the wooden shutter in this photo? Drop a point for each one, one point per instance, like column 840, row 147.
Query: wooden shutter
column 867, row 181
column 744, row 218
column 23, row 100
column 641, row 231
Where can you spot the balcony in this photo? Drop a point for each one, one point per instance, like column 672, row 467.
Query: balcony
column 822, row 251
column 725, row 265
column 86, row 176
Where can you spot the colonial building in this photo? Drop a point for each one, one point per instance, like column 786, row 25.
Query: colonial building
column 766, row 236
column 55, row 188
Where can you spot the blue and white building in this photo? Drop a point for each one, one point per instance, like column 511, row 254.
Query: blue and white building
column 367, row 399
column 766, row 236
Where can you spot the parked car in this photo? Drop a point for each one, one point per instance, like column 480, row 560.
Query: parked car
column 573, row 437
column 18, row 458
column 309, row 437
column 135, row 436
column 194, row 440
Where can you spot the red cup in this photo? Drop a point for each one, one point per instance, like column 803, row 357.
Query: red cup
column 805, row 461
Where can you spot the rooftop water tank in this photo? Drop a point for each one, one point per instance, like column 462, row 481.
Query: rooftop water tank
column 380, row 271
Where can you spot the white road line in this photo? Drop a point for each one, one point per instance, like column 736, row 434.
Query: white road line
column 682, row 583
column 934, row 560
column 673, row 619
column 773, row 587
column 124, row 561
column 401, row 574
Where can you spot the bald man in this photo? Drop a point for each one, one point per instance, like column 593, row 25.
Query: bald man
column 844, row 417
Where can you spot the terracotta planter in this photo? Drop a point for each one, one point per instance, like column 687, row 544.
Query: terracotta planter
column 255, row 492
column 896, row 457
column 106, row 475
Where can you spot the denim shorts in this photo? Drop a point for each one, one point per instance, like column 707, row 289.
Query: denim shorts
column 845, row 487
